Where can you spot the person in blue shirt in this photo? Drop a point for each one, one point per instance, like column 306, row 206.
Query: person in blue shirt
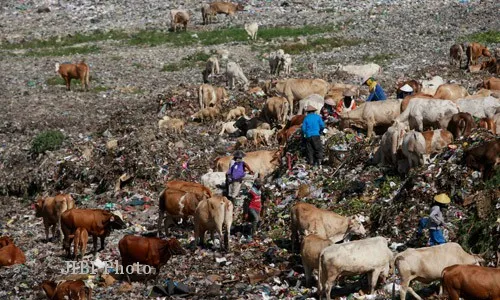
column 376, row 91
column 312, row 127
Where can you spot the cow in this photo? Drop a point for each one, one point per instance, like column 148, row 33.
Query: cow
column 298, row 89
column 371, row 114
column 237, row 112
column 275, row 109
column 207, row 13
column 97, row 222
column 276, row 59
column 151, row 251
column 295, row 120
column 244, row 124
column 176, row 204
column 78, row 71
column 5, row 240
column 173, row 124
column 456, row 54
column 310, row 249
column 471, row 282
column 284, row 134
column 451, row 91
column 475, row 51
column 413, row 148
column 81, row 238
column 179, row 16
column 11, row 255
column 352, row 258
column 211, row 214
column 215, row 181
column 484, row 158
column 389, row 144
column 315, row 100
column 436, row 140
column 407, row 99
column 426, row 264
column 430, row 87
column 67, row 290
column 488, row 124
column 187, row 186
column 431, row 112
column 209, row 113
column 480, row 107
column 263, row 162
column 491, row 83
column 50, row 209
column 211, row 68
column 307, row 218
column 251, row 30
column 227, row 127
column 234, row 73
column 461, row 125
column 226, row 8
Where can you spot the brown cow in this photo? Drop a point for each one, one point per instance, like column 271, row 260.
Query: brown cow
column 275, row 109
column 488, row 124
column 295, row 120
column 51, row 209
column 262, row 162
column 11, row 255
column 81, row 238
column 67, row 290
column 5, row 240
column 471, row 282
column 74, row 71
column 150, row 251
column 484, row 158
column 97, row 222
column 311, row 248
column 284, row 134
column 177, row 203
column 492, row 66
column 456, row 54
column 436, row 140
column 415, row 85
column 475, row 51
column 187, row 186
column 491, row 83
column 226, row 8
column 211, row 214
column 451, row 91
column 461, row 124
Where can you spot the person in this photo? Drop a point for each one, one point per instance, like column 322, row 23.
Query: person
column 347, row 103
column 376, row 91
column 404, row 91
column 328, row 110
column 312, row 127
column 235, row 175
column 253, row 206
column 436, row 219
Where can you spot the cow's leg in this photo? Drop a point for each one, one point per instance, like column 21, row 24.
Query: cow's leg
column 59, row 230
column 125, row 264
column 308, row 274
column 53, row 227
column 167, row 222
column 68, row 83
column 94, row 239
column 373, row 278
column 160, row 218
column 329, row 284
column 370, row 129
column 102, row 243
column 46, row 226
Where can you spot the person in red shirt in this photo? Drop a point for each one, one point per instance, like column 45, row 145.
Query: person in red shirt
column 253, row 205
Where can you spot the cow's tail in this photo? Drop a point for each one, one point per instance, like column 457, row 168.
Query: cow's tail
column 321, row 276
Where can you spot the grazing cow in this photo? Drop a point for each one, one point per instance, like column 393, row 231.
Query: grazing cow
column 456, row 54
column 209, row 113
column 5, row 240
column 260, row 135
column 488, row 124
column 353, row 258
column 228, row 127
column 276, row 59
column 81, row 238
column 413, row 148
column 471, row 282
column 234, row 73
column 251, row 30
column 97, row 222
column 311, row 248
column 241, row 142
column 491, row 83
column 426, row 264
column 263, row 162
column 237, row 112
column 275, row 109
column 492, row 66
column 51, row 209
column 284, row 134
column 211, row 68
column 307, row 218
column 209, row 96
column 298, row 89
column 389, row 144
column 207, row 13
column 315, row 100
column 430, row 87
column 430, row 112
column 484, row 158
column 215, row 181
column 244, row 124
column 78, row 71
column 67, row 290
column 211, row 214
column 11, row 255
column 226, row 8
column 179, row 16
column 475, row 51
column 151, row 251
column 167, row 123
column 177, row 204
column 407, row 99
column 371, row 114
column 485, row 107
column 461, row 124
column 451, row 91
column 436, row 140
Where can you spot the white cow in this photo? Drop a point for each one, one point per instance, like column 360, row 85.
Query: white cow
column 414, row 148
column 234, row 73
column 485, row 107
column 227, row 127
column 215, row 181
column 429, row 112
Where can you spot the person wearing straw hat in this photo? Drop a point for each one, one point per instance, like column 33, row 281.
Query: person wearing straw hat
column 328, row 110
column 312, row 127
column 235, row 175
column 376, row 91
column 347, row 103
column 436, row 219
column 404, row 91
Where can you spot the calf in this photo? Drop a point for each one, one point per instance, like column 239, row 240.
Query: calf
column 209, row 113
column 51, row 209
column 488, row 124
column 251, row 30
column 175, row 125
column 81, row 238
column 311, row 248
column 236, row 112
column 461, row 125
column 426, row 264
column 276, row 61
column 67, row 290
column 228, row 127
column 179, row 17
column 211, row 68
column 234, row 73
column 353, row 258
column 176, row 204
column 151, row 251
column 471, row 282
column 484, row 158
column 97, row 222
column 207, row 13
column 211, row 214
column 475, row 51
column 307, row 218
column 436, row 140
column 11, row 255
column 78, row 71
column 456, row 55
column 491, row 83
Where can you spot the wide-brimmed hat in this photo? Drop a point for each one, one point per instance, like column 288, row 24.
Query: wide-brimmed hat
column 348, row 93
column 330, row 101
column 239, row 154
column 406, row 88
column 310, row 108
column 366, row 79
column 442, row 198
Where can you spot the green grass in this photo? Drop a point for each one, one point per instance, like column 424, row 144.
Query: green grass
column 56, row 80
column 47, row 141
column 63, row 51
column 380, row 58
column 186, row 62
column 321, row 44
column 138, row 65
column 487, row 37
column 99, row 88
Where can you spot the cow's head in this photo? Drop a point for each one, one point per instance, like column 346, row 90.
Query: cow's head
column 240, row 7
column 355, row 226
column 38, row 207
column 4, row 241
column 116, row 220
column 276, row 159
column 174, row 247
